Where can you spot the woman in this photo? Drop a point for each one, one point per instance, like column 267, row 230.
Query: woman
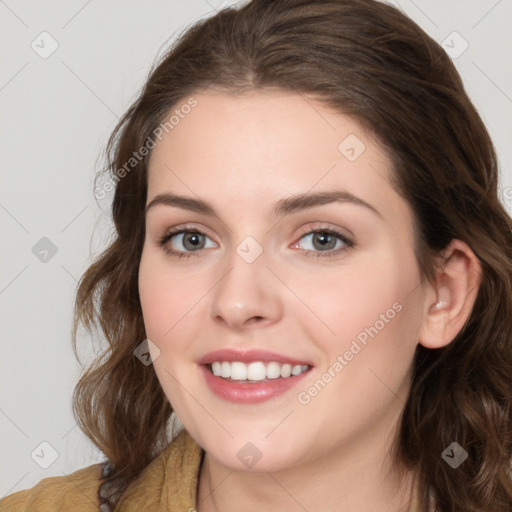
column 311, row 252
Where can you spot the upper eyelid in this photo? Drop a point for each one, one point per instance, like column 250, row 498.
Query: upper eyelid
column 303, row 230
column 327, row 226
column 186, row 227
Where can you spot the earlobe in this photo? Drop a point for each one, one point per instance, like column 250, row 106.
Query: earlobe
column 448, row 305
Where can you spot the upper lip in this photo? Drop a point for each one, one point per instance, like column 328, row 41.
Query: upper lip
column 249, row 356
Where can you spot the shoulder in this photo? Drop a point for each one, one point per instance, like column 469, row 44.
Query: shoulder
column 77, row 491
column 169, row 482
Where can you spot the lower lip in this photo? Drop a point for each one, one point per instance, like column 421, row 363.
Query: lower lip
column 249, row 392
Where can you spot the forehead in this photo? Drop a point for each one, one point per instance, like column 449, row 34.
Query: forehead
column 267, row 145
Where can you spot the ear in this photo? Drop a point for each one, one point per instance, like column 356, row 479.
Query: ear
column 449, row 303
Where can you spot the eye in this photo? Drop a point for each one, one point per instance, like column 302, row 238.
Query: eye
column 324, row 242
column 181, row 241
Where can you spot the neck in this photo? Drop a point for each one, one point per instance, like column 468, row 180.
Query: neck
column 353, row 478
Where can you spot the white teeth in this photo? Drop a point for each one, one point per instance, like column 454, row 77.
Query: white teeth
column 217, row 369
column 297, row 369
column 238, row 371
column 256, row 371
column 225, row 370
column 286, row 370
column 273, row 370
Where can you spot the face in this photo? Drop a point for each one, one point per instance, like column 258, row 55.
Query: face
column 282, row 289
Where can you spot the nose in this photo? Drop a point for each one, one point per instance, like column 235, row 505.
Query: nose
column 247, row 295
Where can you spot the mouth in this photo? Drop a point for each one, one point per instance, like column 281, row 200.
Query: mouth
column 251, row 376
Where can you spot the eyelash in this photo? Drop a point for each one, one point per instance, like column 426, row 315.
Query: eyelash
column 349, row 244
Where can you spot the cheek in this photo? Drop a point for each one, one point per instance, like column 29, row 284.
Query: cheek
column 167, row 302
column 170, row 301
column 356, row 297
column 158, row 297
column 370, row 322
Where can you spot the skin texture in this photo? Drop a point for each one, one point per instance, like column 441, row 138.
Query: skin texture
column 241, row 154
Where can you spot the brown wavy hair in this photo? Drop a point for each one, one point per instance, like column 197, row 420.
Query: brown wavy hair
column 368, row 60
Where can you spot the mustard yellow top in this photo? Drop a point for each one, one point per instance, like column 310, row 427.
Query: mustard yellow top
column 167, row 484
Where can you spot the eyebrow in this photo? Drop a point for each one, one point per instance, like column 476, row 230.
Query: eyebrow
column 282, row 207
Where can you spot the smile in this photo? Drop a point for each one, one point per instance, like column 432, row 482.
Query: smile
column 253, row 376
column 255, row 372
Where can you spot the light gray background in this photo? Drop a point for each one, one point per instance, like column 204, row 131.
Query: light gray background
column 56, row 115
